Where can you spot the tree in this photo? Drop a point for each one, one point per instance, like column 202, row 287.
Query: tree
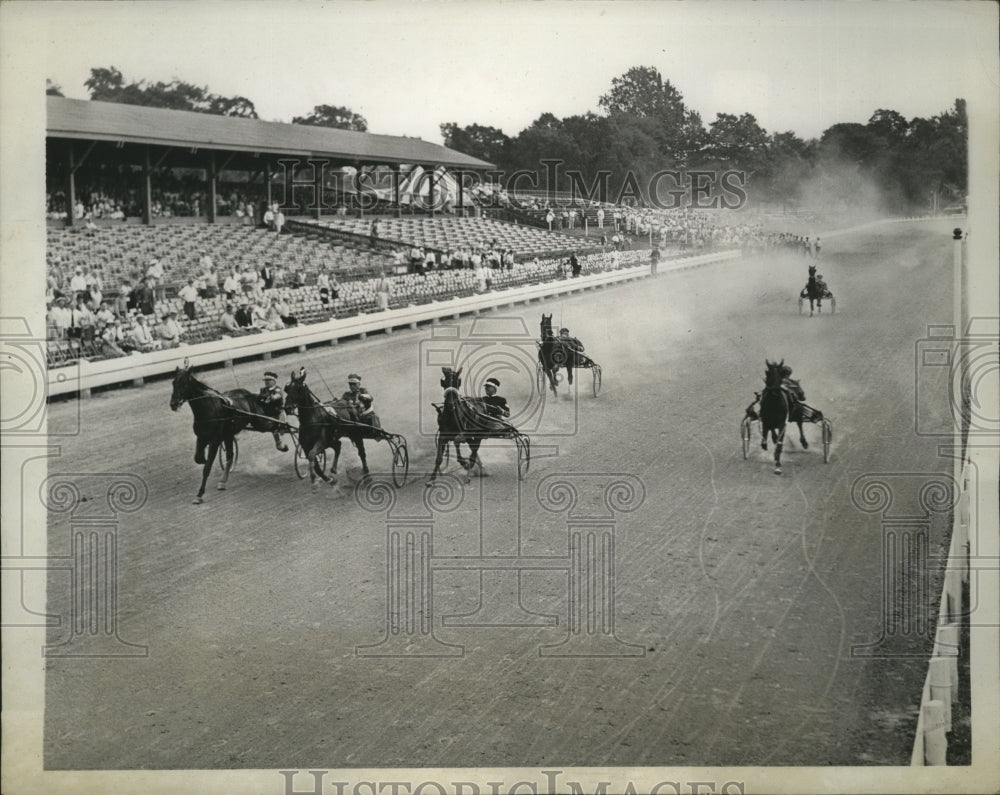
column 108, row 85
column 643, row 93
column 737, row 142
column 53, row 89
column 487, row 143
column 335, row 116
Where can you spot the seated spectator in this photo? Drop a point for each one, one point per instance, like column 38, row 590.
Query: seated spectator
column 285, row 313
column 189, row 294
column 169, row 331
column 104, row 315
column 272, row 320
column 141, row 336
column 111, row 341
column 228, row 323
column 244, row 317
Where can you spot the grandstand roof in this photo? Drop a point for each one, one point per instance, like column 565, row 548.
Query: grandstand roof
column 138, row 124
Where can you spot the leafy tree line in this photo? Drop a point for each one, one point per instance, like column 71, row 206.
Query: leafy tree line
column 644, row 129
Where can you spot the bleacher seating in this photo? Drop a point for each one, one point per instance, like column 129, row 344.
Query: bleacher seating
column 443, row 233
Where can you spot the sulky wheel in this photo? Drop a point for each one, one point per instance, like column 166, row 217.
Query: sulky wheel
column 400, row 460
column 597, row 379
column 800, row 304
column 302, row 461
column 523, row 444
column 540, row 378
column 833, row 305
column 827, row 438
column 745, row 427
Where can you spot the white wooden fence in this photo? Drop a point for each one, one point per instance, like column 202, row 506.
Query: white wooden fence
column 87, row 375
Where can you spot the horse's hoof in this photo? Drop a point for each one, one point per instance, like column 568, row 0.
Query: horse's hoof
column 777, row 470
column 197, row 501
column 804, row 443
column 222, row 487
column 763, row 447
column 283, row 448
column 200, row 461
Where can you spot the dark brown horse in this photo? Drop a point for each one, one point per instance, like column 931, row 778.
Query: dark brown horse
column 218, row 417
column 323, row 426
column 464, row 420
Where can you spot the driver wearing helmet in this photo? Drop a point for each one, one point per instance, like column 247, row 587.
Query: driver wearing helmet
column 571, row 342
column 796, row 394
column 273, row 402
column 496, row 405
column 360, row 400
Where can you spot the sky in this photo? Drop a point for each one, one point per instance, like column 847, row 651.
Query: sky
column 407, row 67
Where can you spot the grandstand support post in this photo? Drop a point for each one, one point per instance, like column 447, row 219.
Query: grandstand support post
column 397, row 176
column 147, row 188
column 267, row 180
column 430, row 188
column 301, row 349
column 212, row 186
column 70, row 186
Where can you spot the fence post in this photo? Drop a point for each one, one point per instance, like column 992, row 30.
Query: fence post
column 935, row 742
column 941, row 688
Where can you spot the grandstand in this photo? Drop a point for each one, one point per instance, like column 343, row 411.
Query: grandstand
column 115, row 153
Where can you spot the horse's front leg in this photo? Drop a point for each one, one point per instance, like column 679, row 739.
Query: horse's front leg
column 439, row 457
column 206, row 470
column 315, row 468
column 228, row 442
column 778, row 443
column 802, row 436
column 335, row 444
column 763, row 437
column 199, row 450
column 458, row 455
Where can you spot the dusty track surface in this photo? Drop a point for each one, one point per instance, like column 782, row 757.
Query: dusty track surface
column 745, row 591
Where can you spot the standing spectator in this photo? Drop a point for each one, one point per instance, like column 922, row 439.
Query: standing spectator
column 169, row 331
column 382, row 291
column 145, row 300
column 279, row 220
column 323, row 283
column 574, row 264
column 550, row 217
column 154, row 276
column 205, row 263
column 600, row 218
column 211, row 279
column 189, row 294
column 231, row 285
column 654, row 261
column 62, row 317
column 267, row 275
column 78, row 284
column 269, row 218
column 373, row 234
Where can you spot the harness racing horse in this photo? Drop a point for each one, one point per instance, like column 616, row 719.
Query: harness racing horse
column 775, row 406
column 813, row 291
column 463, row 419
column 218, row 417
column 322, row 427
column 555, row 352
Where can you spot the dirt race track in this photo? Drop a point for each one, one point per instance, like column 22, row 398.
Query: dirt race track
column 737, row 595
